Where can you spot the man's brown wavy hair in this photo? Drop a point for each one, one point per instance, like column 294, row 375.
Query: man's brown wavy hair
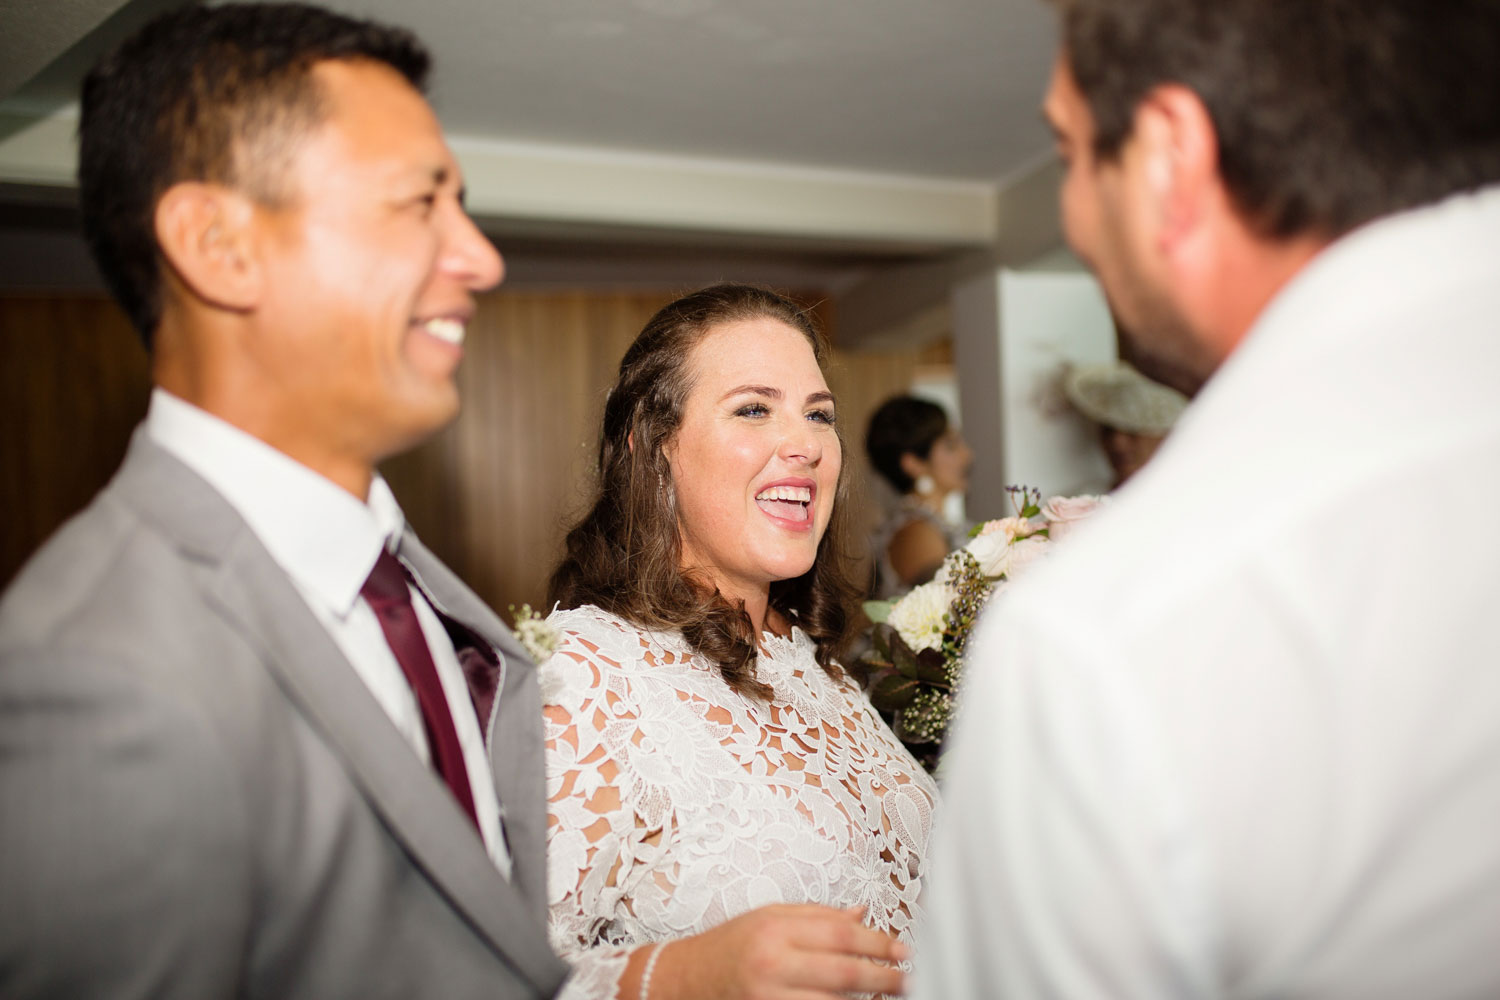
column 625, row 554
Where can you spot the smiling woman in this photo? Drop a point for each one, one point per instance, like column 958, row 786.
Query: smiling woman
column 725, row 808
column 702, row 395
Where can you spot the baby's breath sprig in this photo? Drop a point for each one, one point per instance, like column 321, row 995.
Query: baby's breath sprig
column 538, row 637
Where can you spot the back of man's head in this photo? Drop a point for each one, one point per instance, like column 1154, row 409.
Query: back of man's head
column 218, row 94
column 1329, row 113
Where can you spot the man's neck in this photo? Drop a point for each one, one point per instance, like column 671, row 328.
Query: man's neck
column 1251, row 273
column 251, row 413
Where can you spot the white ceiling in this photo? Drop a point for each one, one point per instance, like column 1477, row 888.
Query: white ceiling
column 934, row 88
column 847, row 131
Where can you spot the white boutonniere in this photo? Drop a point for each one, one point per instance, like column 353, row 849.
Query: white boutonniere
column 539, row 638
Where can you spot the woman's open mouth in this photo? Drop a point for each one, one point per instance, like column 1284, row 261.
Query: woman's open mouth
column 786, row 503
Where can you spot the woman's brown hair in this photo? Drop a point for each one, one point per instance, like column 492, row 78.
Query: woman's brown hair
column 625, row 554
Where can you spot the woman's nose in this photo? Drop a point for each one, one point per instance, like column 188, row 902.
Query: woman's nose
column 803, row 442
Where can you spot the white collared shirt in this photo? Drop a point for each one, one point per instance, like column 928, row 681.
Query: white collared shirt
column 1240, row 735
column 327, row 541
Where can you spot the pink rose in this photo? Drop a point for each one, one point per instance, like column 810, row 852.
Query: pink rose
column 1064, row 514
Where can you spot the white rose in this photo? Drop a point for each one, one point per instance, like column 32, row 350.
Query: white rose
column 1001, row 554
column 1022, row 554
column 919, row 617
column 1010, row 527
column 991, row 550
column 1064, row 514
column 996, row 545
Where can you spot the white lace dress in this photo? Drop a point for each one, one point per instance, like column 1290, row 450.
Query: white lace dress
column 677, row 804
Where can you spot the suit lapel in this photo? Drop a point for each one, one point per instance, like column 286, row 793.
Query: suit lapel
column 515, row 744
column 255, row 596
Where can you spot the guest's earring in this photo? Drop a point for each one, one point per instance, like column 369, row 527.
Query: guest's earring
column 925, row 484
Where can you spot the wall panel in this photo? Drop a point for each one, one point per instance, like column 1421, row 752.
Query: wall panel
column 74, row 382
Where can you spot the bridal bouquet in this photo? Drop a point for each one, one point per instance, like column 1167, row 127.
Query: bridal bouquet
column 916, row 655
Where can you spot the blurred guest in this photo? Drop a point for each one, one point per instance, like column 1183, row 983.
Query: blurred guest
column 924, row 460
column 1132, row 412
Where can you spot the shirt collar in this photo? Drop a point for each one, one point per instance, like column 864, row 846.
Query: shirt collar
column 323, row 536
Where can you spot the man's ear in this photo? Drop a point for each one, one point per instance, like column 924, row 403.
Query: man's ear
column 206, row 234
column 1178, row 159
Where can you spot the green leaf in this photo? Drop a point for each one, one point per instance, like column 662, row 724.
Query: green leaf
column 878, row 611
column 903, row 658
column 892, row 692
column 932, row 668
column 1030, row 510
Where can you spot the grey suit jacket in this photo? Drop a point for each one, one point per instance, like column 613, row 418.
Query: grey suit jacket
column 200, row 798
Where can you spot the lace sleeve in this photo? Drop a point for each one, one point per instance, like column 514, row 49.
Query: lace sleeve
column 600, row 835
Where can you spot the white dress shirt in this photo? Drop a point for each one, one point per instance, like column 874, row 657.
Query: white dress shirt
column 327, row 541
column 1240, row 735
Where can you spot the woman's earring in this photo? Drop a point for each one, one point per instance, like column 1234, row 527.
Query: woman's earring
column 925, row 484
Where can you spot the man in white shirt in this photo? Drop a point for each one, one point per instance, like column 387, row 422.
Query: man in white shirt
column 216, row 778
column 1241, row 735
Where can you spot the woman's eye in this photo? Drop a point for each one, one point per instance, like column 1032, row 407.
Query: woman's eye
column 822, row 416
column 752, row 410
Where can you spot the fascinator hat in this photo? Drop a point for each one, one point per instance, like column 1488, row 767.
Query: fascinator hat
column 1118, row 396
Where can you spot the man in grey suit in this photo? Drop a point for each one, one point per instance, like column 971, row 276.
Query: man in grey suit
column 215, row 776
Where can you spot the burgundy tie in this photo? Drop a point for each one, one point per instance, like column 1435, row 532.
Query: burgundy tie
column 387, row 594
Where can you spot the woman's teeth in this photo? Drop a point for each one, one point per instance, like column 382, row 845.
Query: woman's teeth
column 450, row 331
column 790, row 503
column 801, row 494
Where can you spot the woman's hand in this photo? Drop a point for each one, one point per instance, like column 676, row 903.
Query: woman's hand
column 780, row 952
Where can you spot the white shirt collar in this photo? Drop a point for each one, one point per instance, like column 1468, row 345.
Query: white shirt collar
column 324, row 537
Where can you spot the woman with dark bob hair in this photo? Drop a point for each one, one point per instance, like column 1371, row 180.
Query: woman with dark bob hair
column 924, row 460
column 726, row 809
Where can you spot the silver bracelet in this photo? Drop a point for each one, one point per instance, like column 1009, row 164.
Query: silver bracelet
column 644, row 992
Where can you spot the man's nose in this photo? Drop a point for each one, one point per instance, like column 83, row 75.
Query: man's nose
column 471, row 255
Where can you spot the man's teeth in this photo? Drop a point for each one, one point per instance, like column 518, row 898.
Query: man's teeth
column 447, row 330
column 799, row 494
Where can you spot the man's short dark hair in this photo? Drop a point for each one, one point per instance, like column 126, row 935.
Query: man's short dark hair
column 1329, row 113
column 219, row 94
